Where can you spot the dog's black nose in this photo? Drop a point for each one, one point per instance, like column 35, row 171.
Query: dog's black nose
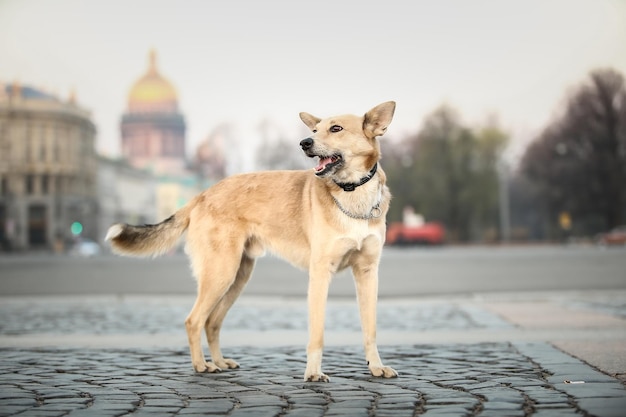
column 306, row 144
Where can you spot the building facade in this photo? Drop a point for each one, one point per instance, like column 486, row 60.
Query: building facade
column 47, row 170
column 152, row 128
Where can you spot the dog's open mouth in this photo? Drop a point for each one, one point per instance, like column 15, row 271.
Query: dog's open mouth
column 327, row 163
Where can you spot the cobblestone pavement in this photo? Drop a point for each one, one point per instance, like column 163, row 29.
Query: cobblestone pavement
column 497, row 378
column 120, row 315
column 453, row 380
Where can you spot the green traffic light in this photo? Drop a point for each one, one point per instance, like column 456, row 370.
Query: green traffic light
column 76, row 228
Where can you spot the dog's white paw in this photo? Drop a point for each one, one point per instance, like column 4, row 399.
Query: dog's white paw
column 227, row 364
column 383, row 371
column 207, row 367
column 319, row 377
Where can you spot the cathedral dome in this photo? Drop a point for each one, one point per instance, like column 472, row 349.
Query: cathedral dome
column 152, row 92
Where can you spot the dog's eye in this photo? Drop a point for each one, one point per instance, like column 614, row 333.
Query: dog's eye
column 314, row 130
column 336, row 128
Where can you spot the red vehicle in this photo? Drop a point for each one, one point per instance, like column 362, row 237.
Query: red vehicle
column 426, row 234
column 614, row 237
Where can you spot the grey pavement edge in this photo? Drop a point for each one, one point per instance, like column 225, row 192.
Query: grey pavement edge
column 518, row 354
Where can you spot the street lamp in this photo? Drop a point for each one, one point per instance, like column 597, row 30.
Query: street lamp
column 504, row 206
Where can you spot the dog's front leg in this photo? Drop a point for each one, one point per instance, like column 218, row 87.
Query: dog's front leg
column 319, row 281
column 365, row 272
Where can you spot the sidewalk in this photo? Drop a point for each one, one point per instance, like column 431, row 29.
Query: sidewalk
column 487, row 355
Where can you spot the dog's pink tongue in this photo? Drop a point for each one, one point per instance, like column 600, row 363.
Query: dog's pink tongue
column 323, row 163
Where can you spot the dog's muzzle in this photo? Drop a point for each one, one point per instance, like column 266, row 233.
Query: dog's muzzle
column 327, row 163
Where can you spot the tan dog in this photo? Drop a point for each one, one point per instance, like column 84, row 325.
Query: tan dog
column 323, row 221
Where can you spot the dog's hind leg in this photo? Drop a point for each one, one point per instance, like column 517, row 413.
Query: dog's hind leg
column 214, row 323
column 216, row 274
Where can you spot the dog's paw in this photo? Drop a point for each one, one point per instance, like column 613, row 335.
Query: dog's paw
column 383, row 371
column 227, row 364
column 207, row 367
column 321, row 377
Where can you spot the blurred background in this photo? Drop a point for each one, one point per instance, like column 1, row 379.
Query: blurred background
column 510, row 124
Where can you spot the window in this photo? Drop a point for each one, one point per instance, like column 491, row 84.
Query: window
column 27, row 150
column 42, row 151
column 45, row 184
column 30, row 184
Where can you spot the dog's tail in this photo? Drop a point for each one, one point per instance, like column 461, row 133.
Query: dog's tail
column 150, row 239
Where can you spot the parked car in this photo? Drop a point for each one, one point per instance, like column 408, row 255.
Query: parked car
column 426, row 234
column 614, row 237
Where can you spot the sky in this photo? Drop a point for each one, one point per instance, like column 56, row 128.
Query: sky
column 241, row 62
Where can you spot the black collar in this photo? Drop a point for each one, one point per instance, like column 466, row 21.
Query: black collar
column 350, row 186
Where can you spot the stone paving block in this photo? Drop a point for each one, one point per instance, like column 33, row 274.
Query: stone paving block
column 70, row 400
column 395, row 399
column 501, row 394
column 501, row 405
column 559, row 413
column 19, row 402
column 298, row 391
column 261, row 411
column 164, row 402
column 394, row 413
column 553, row 406
column 149, row 412
column 260, row 400
column 445, row 412
column 41, row 412
column 334, row 410
column 309, row 400
column 465, row 402
column 396, row 406
column 10, row 410
column 212, row 406
column 590, row 390
column 305, row 412
column 554, row 398
column 352, row 403
column 110, row 407
column 578, row 372
column 611, row 407
column 351, row 395
column 503, row 413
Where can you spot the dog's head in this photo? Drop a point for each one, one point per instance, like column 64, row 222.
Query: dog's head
column 346, row 145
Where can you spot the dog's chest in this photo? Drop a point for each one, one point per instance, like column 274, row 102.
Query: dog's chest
column 357, row 231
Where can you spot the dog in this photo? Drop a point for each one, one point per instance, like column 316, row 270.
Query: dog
column 324, row 220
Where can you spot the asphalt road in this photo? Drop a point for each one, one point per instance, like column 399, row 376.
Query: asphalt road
column 403, row 273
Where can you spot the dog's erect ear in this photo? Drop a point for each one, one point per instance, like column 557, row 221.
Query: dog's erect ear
column 309, row 120
column 377, row 119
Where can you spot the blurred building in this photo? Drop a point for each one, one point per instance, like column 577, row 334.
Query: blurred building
column 125, row 194
column 210, row 160
column 153, row 129
column 47, row 169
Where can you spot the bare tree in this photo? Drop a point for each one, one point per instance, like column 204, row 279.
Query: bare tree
column 578, row 163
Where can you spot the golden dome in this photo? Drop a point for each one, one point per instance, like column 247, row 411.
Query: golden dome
column 152, row 92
